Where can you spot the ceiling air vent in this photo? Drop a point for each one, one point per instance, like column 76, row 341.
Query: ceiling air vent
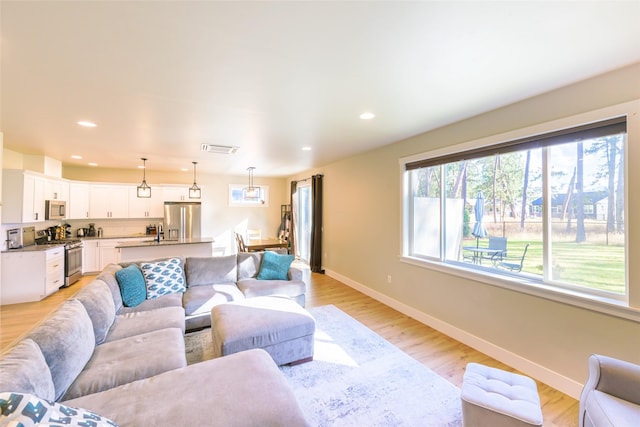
column 218, row 149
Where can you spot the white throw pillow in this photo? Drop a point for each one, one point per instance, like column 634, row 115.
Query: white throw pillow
column 19, row 409
column 163, row 277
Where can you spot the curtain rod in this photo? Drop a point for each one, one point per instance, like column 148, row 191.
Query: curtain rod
column 307, row 179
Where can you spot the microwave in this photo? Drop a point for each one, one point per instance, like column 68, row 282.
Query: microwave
column 55, row 209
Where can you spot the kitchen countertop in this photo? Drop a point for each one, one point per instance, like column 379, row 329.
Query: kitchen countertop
column 33, row 248
column 152, row 242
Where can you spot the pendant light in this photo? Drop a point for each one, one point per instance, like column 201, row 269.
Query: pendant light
column 194, row 190
column 251, row 192
column 144, row 191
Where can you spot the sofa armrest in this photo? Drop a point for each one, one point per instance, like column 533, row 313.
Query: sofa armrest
column 299, row 270
column 295, row 274
column 614, row 377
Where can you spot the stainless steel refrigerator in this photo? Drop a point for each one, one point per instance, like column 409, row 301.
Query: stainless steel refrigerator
column 181, row 220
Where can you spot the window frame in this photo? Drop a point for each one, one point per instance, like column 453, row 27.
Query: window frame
column 628, row 305
column 238, row 202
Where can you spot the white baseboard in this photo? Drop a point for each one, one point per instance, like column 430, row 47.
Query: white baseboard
column 535, row 370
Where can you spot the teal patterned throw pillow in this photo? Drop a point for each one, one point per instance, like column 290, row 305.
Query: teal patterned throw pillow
column 26, row 410
column 163, row 277
column 274, row 266
column 132, row 287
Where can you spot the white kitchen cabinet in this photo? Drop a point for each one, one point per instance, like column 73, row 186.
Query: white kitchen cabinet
column 23, row 196
column 108, row 252
column 78, row 207
column 31, row 275
column 56, row 189
column 108, row 201
column 140, row 207
column 90, row 256
column 176, row 193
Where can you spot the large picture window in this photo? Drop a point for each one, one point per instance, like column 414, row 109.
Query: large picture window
column 546, row 209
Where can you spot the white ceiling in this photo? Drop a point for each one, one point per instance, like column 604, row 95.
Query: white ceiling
column 161, row 78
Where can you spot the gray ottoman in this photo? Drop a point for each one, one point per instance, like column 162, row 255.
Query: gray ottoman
column 496, row 398
column 278, row 325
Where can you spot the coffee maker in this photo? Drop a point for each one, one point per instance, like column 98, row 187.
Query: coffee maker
column 92, row 230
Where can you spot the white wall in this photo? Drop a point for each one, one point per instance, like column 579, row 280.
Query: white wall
column 362, row 233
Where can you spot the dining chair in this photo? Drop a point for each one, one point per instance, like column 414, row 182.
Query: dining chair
column 240, row 243
column 254, row 234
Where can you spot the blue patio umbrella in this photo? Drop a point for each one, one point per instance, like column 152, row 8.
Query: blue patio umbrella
column 479, row 230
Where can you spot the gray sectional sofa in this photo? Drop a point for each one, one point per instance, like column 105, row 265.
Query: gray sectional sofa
column 129, row 364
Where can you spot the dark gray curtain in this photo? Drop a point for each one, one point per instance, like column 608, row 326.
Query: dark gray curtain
column 315, row 257
column 292, row 232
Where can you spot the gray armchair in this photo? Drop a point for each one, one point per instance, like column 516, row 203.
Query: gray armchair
column 611, row 396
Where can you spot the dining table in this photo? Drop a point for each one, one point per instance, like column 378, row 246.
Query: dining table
column 262, row 244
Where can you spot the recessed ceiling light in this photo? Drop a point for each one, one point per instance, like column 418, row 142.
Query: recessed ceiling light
column 75, row 156
column 93, row 164
column 87, row 124
column 307, row 148
column 367, row 116
column 184, row 169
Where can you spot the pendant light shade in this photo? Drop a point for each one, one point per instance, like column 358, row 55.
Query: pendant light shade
column 144, row 191
column 251, row 192
column 194, row 190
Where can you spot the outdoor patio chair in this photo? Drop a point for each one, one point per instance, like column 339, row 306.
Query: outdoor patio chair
column 499, row 243
column 512, row 264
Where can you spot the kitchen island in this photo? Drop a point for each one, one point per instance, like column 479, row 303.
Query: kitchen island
column 152, row 249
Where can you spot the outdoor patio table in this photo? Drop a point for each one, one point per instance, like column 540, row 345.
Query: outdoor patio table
column 478, row 251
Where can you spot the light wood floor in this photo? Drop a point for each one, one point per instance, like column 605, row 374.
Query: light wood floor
column 437, row 351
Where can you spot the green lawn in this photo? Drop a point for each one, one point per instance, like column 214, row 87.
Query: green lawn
column 585, row 264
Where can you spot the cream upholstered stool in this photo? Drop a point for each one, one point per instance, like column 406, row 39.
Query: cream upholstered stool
column 276, row 324
column 496, row 398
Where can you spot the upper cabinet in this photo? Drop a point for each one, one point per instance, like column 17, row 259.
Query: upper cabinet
column 23, row 196
column 78, row 200
column 176, row 193
column 108, row 201
column 146, row 207
column 56, row 189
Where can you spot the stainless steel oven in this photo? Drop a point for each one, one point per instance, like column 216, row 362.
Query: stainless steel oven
column 72, row 262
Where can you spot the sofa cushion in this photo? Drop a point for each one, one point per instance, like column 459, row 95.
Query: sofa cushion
column 202, row 271
column 163, row 277
column 248, row 264
column 245, row 389
column 201, row 299
column 26, row 410
column 97, row 300
column 108, row 276
column 605, row 410
column 132, row 286
column 171, row 300
column 67, row 342
column 274, row 266
column 140, row 322
column 24, row 370
column 130, row 359
column 263, row 288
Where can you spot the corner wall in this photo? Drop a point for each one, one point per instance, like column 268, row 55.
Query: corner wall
column 545, row 339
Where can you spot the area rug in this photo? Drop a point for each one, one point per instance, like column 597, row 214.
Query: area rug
column 357, row 378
